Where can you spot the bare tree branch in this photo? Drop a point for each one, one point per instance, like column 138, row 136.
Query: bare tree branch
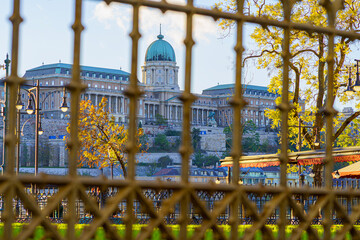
column 345, row 123
column 259, row 55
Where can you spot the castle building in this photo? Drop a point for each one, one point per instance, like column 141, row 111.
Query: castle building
column 160, row 83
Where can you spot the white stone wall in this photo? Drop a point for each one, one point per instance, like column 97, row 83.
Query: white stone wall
column 213, row 142
column 153, row 157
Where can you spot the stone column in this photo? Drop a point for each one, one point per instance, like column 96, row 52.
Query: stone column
column 148, row 110
column 110, row 105
column 127, row 106
column 154, row 111
column 196, row 116
column 96, row 100
column 205, row 118
column 176, row 113
column 170, row 112
column 145, row 109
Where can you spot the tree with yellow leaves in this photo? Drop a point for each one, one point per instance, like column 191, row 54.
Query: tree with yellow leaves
column 308, row 67
column 102, row 141
column 307, row 61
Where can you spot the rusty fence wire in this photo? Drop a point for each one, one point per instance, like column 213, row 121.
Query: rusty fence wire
column 71, row 196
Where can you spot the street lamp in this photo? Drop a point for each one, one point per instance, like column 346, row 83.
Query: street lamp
column 351, row 89
column 64, row 107
column 217, row 181
column 316, row 142
column 357, row 81
column 34, row 97
column 19, row 104
column 5, row 66
column 29, row 108
column 40, row 131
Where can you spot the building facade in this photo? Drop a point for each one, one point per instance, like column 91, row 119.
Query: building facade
column 160, row 84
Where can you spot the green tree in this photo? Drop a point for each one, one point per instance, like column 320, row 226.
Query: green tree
column 160, row 120
column 44, row 153
column 102, row 142
column 196, row 138
column 151, row 169
column 198, row 159
column 164, row 161
column 211, row 160
column 170, row 132
column 252, row 143
column 24, row 157
column 201, row 160
column 161, row 142
column 144, row 142
column 248, row 127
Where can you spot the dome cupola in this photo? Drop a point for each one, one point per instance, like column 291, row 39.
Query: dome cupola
column 160, row 50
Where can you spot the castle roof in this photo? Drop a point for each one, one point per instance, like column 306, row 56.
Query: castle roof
column 160, row 50
column 62, row 68
column 232, row 85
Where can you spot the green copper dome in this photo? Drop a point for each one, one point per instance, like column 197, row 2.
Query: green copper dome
column 160, row 50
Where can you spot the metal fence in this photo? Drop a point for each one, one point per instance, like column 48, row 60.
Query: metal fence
column 101, row 197
column 182, row 196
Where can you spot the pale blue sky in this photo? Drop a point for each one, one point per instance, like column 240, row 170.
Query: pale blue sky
column 46, row 37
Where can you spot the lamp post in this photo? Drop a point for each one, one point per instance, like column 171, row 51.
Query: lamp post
column 351, row 89
column 299, row 145
column 35, row 97
column 19, row 106
column 6, row 67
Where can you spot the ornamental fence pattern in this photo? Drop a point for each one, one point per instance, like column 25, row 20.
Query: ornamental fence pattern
column 44, row 195
column 71, row 193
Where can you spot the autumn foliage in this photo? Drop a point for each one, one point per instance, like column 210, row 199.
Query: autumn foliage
column 102, row 141
column 308, row 64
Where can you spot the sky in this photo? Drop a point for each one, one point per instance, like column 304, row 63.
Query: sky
column 47, row 37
